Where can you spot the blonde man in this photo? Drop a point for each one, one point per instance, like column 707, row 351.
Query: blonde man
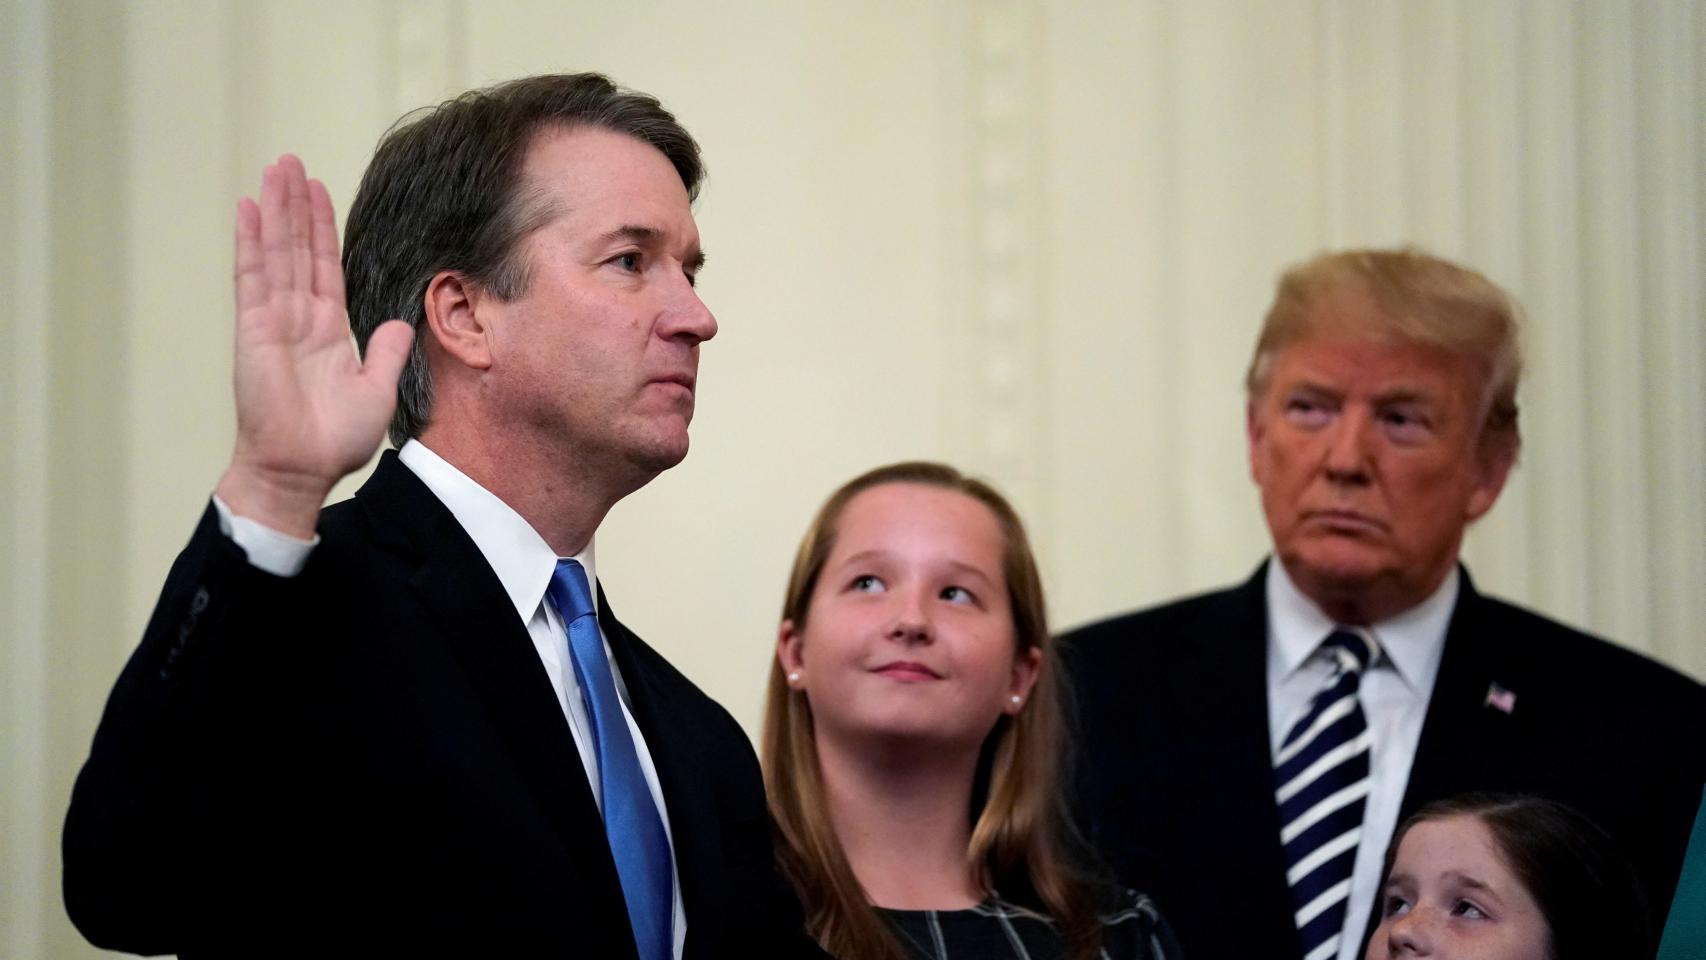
column 1248, row 753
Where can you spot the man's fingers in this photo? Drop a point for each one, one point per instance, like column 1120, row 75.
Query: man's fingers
column 275, row 230
column 250, row 270
column 386, row 351
column 301, row 222
column 328, row 272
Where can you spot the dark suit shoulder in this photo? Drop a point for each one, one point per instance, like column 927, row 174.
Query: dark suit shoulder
column 1565, row 656
column 1172, row 780
column 1191, row 627
column 1172, row 617
column 343, row 520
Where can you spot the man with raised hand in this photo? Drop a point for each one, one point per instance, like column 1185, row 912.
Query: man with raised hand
column 411, row 722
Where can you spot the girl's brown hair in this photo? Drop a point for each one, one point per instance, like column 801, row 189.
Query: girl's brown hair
column 1582, row 882
column 1021, row 838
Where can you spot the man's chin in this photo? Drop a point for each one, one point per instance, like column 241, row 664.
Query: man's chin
column 1339, row 568
column 659, row 453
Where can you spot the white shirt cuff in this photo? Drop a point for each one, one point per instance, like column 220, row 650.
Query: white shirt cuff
column 279, row 554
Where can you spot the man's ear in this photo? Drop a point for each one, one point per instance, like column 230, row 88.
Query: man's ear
column 454, row 320
column 1493, row 464
column 1254, row 432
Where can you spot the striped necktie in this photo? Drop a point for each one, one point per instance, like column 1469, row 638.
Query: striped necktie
column 638, row 843
column 1321, row 784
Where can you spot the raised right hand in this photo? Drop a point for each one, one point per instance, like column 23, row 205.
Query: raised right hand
column 309, row 411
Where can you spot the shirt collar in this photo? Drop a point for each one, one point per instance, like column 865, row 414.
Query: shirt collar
column 1412, row 642
column 516, row 552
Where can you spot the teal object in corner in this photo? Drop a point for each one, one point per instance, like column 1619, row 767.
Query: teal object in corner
column 1685, row 931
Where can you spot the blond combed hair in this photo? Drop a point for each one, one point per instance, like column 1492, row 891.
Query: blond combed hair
column 1420, row 299
column 1022, row 833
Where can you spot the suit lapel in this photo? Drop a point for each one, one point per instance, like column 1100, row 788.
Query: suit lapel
column 1464, row 739
column 680, row 776
column 464, row 598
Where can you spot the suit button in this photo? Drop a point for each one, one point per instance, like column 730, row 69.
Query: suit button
column 198, row 605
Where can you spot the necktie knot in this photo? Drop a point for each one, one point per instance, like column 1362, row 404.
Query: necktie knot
column 1354, row 649
column 570, row 591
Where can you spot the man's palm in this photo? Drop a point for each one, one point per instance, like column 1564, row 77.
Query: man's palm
column 309, row 411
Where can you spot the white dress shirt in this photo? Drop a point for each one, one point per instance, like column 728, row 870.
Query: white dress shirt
column 1394, row 692
column 523, row 562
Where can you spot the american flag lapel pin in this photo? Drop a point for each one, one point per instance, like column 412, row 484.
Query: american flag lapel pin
column 1500, row 699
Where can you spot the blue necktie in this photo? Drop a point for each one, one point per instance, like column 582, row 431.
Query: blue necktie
column 1321, row 784
column 631, row 822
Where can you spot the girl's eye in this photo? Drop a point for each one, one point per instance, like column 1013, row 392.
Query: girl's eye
column 957, row 595
column 1464, row 908
column 1396, row 906
column 867, row 583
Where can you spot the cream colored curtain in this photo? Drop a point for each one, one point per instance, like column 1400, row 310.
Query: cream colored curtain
column 1031, row 238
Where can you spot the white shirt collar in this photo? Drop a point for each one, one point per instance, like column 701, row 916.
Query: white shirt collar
column 516, row 552
column 1412, row 642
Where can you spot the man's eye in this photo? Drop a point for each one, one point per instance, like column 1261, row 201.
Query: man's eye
column 1395, row 906
column 1406, row 425
column 1306, row 412
column 627, row 261
column 866, row 583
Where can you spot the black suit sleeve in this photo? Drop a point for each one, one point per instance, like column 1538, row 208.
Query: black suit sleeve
column 131, row 836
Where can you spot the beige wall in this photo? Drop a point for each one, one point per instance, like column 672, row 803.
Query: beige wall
column 1030, row 238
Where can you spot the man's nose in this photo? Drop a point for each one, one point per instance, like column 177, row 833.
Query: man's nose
column 685, row 315
column 1349, row 447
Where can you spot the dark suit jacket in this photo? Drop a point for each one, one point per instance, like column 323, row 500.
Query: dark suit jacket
column 368, row 758
column 1176, row 782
